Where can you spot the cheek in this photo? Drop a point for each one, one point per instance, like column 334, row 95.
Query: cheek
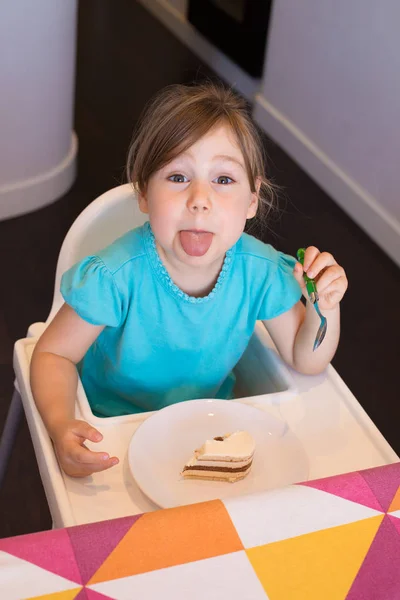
column 162, row 221
column 234, row 222
column 237, row 207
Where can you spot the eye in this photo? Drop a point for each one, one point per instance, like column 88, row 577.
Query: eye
column 223, row 180
column 177, row 178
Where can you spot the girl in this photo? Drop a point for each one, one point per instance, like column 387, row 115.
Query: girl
column 164, row 313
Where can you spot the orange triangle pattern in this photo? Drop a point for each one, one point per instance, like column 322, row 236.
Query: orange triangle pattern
column 395, row 505
column 172, row 537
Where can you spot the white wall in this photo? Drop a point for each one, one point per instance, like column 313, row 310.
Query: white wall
column 331, row 97
column 37, row 69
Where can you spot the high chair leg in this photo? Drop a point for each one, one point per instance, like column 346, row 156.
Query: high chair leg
column 9, row 432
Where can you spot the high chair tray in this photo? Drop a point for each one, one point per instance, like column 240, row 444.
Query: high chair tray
column 335, row 433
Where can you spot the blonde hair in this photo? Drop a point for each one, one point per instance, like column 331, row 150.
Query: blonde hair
column 179, row 116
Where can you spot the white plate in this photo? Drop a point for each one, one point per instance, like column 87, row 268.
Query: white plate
column 166, row 440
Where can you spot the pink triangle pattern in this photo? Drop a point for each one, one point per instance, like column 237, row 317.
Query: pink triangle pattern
column 350, row 487
column 88, row 594
column 384, row 483
column 380, row 568
column 51, row 550
column 92, row 543
column 82, row 595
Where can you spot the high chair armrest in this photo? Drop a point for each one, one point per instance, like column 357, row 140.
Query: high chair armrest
column 36, row 329
column 50, row 472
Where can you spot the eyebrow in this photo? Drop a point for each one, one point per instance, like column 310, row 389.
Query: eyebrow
column 225, row 157
column 229, row 158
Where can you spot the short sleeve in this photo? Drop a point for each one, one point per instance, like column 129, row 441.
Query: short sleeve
column 89, row 288
column 282, row 290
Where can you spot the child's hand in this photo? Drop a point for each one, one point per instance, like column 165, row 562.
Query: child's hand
column 74, row 457
column 330, row 277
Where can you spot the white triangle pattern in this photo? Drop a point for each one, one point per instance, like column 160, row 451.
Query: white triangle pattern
column 229, row 575
column 395, row 513
column 22, row 579
column 290, row 512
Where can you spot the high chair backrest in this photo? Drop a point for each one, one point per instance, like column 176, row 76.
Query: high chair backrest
column 104, row 220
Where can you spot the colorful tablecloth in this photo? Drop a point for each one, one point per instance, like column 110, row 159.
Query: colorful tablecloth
column 334, row 538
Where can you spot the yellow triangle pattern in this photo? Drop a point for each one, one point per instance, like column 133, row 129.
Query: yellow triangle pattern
column 322, row 564
column 65, row 595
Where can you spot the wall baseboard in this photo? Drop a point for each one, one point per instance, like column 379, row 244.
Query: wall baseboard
column 361, row 206
column 31, row 194
column 188, row 35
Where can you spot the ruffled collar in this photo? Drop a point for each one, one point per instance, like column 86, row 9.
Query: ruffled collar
column 165, row 278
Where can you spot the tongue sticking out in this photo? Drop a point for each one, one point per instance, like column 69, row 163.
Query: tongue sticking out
column 195, row 243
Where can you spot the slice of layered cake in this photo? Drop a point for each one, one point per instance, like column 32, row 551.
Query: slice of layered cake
column 225, row 458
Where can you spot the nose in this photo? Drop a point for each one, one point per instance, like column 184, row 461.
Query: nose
column 199, row 200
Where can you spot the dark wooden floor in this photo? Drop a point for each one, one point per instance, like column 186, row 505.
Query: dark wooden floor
column 124, row 56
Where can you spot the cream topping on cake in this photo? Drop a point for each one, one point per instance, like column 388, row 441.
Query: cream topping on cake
column 235, row 446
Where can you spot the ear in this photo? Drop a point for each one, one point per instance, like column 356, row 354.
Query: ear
column 143, row 204
column 252, row 209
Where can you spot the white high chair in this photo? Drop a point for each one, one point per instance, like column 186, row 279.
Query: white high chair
column 108, row 217
column 333, row 431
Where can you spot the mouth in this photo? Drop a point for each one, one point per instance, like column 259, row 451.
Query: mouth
column 195, row 242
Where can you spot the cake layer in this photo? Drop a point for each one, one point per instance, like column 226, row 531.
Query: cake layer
column 212, row 468
column 219, row 463
column 216, row 475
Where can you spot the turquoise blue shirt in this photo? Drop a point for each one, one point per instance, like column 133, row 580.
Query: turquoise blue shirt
column 159, row 345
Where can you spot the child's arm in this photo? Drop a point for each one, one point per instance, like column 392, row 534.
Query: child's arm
column 54, row 382
column 294, row 331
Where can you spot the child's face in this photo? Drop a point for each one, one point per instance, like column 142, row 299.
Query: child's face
column 199, row 202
